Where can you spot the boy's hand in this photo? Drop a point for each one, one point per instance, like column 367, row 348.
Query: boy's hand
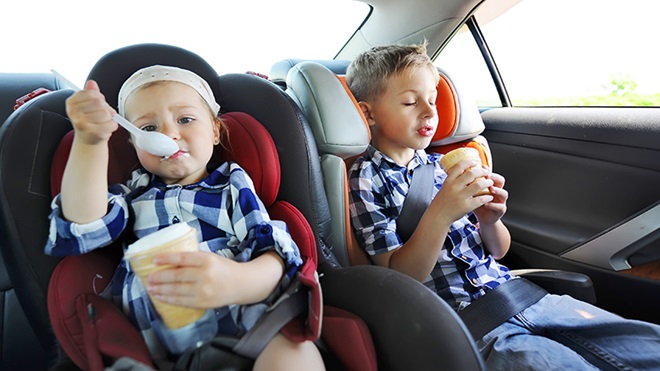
column 457, row 196
column 493, row 211
column 91, row 115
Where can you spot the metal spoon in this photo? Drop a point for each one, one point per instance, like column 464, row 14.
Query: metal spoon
column 153, row 142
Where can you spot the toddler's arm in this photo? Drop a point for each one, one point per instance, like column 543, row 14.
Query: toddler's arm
column 84, row 193
column 208, row 280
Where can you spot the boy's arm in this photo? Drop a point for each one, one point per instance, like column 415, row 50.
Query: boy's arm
column 84, row 183
column 496, row 238
column 495, row 235
column 417, row 256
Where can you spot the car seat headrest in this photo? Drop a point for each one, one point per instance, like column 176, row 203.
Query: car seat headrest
column 280, row 69
column 117, row 66
column 337, row 122
column 458, row 116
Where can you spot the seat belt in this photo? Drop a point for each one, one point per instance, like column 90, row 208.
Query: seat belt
column 291, row 303
column 417, row 200
column 500, row 304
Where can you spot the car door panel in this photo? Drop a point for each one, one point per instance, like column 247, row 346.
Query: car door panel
column 574, row 174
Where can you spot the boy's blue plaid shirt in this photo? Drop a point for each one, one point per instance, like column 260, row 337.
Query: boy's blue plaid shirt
column 224, row 208
column 379, row 186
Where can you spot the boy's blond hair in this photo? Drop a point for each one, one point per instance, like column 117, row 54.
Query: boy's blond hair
column 368, row 74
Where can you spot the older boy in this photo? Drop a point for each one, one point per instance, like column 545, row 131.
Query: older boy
column 454, row 248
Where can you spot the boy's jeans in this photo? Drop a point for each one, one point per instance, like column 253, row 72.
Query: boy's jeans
column 561, row 333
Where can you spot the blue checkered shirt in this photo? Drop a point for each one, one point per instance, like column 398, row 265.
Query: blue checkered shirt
column 378, row 188
column 230, row 220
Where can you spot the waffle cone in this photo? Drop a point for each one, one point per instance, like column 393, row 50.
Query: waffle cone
column 457, row 155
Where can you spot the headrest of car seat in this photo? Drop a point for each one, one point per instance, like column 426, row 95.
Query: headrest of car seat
column 249, row 145
column 458, row 116
column 114, row 68
column 280, row 69
column 337, row 122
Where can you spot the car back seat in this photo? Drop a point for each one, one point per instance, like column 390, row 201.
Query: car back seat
column 376, row 295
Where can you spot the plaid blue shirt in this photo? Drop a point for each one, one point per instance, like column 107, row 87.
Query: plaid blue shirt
column 230, row 220
column 378, row 188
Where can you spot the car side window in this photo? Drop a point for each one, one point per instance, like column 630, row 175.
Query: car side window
column 462, row 60
column 566, row 52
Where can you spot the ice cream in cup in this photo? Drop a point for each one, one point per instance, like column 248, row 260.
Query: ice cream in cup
column 178, row 237
column 459, row 154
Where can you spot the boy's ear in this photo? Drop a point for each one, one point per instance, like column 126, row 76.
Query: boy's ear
column 366, row 110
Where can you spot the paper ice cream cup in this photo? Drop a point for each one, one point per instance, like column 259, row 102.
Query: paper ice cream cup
column 179, row 237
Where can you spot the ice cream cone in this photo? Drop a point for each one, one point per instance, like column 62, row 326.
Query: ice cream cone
column 175, row 238
column 459, row 154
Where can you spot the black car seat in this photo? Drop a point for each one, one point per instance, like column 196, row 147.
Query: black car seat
column 342, row 134
column 402, row 334
column 16, row 334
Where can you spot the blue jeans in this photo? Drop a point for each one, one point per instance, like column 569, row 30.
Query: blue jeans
column 561, row 333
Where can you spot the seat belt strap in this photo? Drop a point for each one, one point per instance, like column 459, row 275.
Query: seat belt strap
column 500, row 304
column 289, row 305
column 417, row 200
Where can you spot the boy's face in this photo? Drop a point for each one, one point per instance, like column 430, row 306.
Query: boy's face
column 404, row 118
column 178, row 111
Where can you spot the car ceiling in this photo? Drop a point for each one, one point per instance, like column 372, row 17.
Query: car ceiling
column 409, row 22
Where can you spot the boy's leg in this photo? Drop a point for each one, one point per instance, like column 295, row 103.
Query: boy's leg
column 283, row 354
column 602, row 338
column 513, row 347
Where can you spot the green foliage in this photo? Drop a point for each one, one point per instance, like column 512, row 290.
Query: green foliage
column 620, row 93
column 633, row 99
column 621, row 84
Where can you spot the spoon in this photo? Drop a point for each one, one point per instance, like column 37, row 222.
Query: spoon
column 153, row 142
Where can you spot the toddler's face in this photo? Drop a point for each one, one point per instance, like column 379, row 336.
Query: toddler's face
column 178, row 111
column 404, row 119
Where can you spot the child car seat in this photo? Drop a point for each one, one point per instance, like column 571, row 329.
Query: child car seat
column 342, row 134
column 86, row 275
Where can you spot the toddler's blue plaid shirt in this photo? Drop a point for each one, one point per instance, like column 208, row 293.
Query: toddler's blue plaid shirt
column 378, row 188
column 230, row 220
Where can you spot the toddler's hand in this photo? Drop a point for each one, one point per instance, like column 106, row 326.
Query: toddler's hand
column 493, row 210
column 458, row 194
column 91, row 115
column 199, row 280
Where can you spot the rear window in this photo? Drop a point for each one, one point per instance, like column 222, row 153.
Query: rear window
column 233, row 36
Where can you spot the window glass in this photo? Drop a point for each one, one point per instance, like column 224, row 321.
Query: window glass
column 462, row 61
column 233, row 36
column 576, row 52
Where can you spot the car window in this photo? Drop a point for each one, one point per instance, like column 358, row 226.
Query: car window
column 462, row 61
column 233, row 36
column 567, row 52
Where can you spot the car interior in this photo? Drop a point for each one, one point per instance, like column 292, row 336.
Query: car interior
column 583, row 211
column 353, row 288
